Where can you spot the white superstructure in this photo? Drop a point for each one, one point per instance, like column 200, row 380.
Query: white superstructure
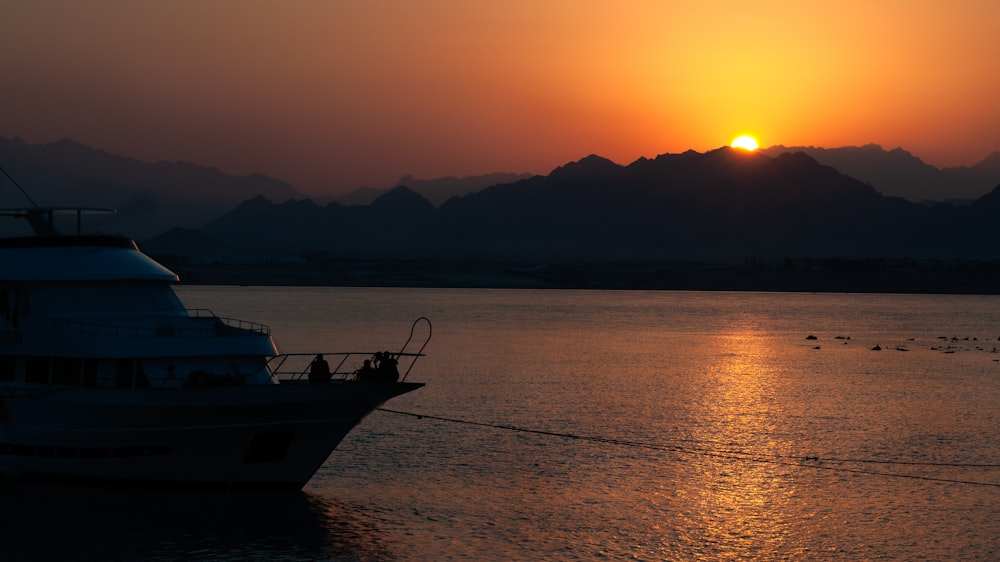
column 105, row 374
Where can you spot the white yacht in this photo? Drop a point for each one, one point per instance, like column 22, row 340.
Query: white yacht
column 105, row 374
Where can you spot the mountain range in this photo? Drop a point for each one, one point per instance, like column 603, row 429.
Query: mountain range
column 899, row 173
column 149, row 198
column 724, row 205
column 437, row 190
column 721, row 205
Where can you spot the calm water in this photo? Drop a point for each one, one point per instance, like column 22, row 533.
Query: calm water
column 665, row 426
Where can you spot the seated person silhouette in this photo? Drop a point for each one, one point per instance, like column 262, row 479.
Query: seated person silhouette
column 387, row 371
column 319, row 371
column 366, row 373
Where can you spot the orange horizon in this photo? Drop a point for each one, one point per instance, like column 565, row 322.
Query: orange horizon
column 329, row 97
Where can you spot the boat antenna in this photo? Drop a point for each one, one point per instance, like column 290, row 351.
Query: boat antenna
column 18, row 186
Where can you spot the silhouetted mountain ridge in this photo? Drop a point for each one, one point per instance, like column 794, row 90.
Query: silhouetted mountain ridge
column 689, row 207
column 899, row 173
column 722, row 205
column 437, row 190
column 150, row 197
column 989, row 164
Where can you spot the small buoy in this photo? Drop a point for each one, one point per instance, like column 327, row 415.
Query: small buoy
column 877, row 348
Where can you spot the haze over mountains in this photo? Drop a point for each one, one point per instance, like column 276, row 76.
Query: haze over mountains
column 150, row 198
column 723, row 205
column 154, row 198
column 437, row 190
column 899, row 173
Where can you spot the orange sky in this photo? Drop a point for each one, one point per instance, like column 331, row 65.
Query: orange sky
column 332, row 94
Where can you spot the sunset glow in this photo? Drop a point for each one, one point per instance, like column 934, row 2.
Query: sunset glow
column 744, row 142
column 330, row 96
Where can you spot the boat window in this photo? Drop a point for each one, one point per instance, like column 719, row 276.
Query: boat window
column 140, row 377
column 36, row 370
column 131, row 298
column 5, row 301
column 65, row 371
column 124, row 370
column 89, row 372
column 8, row 367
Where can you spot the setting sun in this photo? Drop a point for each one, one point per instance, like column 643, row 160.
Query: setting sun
column 745, row 142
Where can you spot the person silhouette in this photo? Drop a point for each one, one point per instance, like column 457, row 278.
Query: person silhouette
column 387, row 371
column 319, row 370
column 366, row 373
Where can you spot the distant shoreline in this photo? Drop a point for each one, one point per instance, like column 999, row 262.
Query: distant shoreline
column 826, row 276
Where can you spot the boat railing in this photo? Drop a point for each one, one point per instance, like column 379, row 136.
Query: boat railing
column 261, row 329
column 23, row 392
column 413, row 327
column 200, row 323
column 344, row 366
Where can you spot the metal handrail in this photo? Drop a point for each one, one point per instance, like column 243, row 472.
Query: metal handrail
column 219, row 327
column 275, row 365
column 262, row 329
column 340, row 372
column 420, row 351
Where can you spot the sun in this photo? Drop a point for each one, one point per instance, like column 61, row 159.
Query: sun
column 745, row 142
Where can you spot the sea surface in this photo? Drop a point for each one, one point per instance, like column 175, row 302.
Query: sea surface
column 602, row 425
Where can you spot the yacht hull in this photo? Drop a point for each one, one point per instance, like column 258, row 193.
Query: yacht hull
column 274, row 435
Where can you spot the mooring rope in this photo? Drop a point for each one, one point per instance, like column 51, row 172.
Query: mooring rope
column 802, row 461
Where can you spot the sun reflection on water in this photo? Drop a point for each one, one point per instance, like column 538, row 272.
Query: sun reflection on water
column 743, row 499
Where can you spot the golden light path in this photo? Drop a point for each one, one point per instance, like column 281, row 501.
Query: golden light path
column 745, row 142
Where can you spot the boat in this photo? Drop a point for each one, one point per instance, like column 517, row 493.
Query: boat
column 105, row 374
